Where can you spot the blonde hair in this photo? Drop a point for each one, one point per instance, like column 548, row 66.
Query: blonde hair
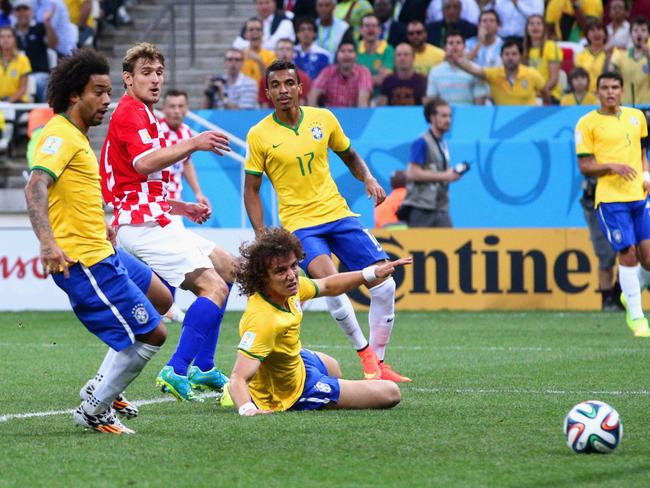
column 142, row 50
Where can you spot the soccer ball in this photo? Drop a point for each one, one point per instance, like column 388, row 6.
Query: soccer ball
column 593, row 426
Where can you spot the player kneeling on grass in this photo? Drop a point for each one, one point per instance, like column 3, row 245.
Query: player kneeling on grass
column 64, row 201
column 273, row 372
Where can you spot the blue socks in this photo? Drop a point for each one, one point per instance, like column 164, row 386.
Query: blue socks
column 202, row 322
column 205, row 358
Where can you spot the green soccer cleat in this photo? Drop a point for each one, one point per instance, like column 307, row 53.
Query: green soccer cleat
column 176, row 384
column 226, row 400
column 639, row 327
column 208, row 380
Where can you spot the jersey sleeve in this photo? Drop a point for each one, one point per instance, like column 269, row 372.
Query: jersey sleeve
column 553, row 53
column 419, row 152
column 644, row 126
column 584, row 138
column 24, row 67
column 338, row 141
column 616, row 57
column 491, row 73
column 133, row 132
column 53, row 153
column 255, row 154
column 307, row 288
column 257, row 339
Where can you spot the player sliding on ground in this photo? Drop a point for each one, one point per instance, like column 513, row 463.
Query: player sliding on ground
column 272, row 371
column 106, row 288
column 291, row 146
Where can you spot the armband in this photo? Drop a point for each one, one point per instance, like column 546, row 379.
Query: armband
column 369, row 273
column 246, row 407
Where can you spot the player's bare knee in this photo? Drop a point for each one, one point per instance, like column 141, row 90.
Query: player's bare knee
column 392, row 394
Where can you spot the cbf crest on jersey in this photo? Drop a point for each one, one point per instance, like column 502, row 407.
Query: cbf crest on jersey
column 316, row 132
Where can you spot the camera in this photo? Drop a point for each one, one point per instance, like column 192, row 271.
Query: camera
column 462, row 168
column 215, row 86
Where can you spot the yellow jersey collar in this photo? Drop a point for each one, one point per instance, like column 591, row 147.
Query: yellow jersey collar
column 381, row 47
column 294, row 129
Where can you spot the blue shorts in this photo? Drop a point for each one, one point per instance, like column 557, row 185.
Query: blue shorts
column 320, row 389
column 625, row 224
column 108, row 302
column 346, row 238
column 139, row 272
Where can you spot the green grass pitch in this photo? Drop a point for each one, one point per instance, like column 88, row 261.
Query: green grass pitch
column 486, row 407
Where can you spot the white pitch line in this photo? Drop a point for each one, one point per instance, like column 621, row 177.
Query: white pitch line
column 517, row 391
column 137, row 403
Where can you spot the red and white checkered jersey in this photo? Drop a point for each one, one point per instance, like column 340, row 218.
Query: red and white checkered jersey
column 173, row 136
column 133, row 132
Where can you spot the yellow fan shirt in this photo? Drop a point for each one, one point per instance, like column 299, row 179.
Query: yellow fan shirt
column 296, row 161
column 271, row 333
column 76, row 206
column 614, row 139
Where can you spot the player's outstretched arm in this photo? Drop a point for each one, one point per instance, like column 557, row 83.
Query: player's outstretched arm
column 52, row 257
column 243, row 371
column 343, row 282
column 360, row 171
column 253, row 202
column 160, row 159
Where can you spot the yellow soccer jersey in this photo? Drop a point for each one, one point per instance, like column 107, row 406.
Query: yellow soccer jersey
column 593, row 64
column 271, row 333
column 523, row 91
column 614, row 139
column 570, row 99
column 76, row 208
column 541, row 59
column 295, row 160
column 635, row 73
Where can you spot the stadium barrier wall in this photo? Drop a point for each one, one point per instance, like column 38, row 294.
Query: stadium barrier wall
column 523, row 167
column 453, row 269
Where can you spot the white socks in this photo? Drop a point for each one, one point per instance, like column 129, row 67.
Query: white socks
column 628, row 276
column 340, row 308
column 120, row 371
column 381, row 315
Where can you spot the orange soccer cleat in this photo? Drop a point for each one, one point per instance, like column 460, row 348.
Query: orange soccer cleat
column 370, row 364
column 387, row 373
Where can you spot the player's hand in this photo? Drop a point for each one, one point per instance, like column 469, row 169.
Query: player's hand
column 386, row 269
column 201, row 198
column 54, row 260
column 375, row 191
column 197, row 212
column 250, row 413
column 212, row 141
column 627, row 172
column 111, row 235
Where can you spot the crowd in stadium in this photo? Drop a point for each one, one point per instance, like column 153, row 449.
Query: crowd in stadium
column 399, row 52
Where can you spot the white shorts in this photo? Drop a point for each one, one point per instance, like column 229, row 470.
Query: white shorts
column 171, row 251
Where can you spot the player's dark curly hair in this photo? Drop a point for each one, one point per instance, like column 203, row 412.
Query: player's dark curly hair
column 71, row 76
column 279, row 65
column 256, row 257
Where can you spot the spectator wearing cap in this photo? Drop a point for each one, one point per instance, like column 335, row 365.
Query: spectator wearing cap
column 284, row 52
column 451, row 83
column 15, row 69
column 59, row 18
column 485, row 48
column 275, row 25
column 451, row 21
column 594, row 56
column 426, row 55
column 344, row 84
column 373, row 53
column 405, row 86
column 330, row 30
column 34, row 38
column 513, row 15
column 256, row 58
column 235, row 90
column 309, row 56
column 510, row 84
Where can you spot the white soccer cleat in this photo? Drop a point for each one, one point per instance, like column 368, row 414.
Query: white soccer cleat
column 105, row 422
column 121, row 405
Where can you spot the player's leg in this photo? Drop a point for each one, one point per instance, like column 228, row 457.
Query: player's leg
column 357, row 248
column 617, row 222
column 112, row 307
column 358, row 394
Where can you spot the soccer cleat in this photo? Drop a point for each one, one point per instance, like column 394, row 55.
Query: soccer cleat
column 121, row 405
column 226, row 400
column 370, row 364
column 176, row 384
column 388, row 373
column 639, row 327
column 105, row 422
column 208, row 380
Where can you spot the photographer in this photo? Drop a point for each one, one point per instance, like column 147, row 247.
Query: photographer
column 234, row 90
column 429, row 172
